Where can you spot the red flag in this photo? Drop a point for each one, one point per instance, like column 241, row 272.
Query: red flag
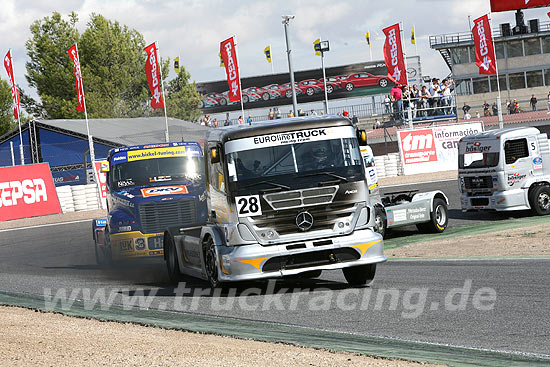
column 504, row 5
column 393, row 55
column 483, row 41
column 11, row 79
column 73, row 54
column 229, row 57
column 153, row 76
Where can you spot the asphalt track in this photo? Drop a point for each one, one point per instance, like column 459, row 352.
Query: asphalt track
column 429, row 301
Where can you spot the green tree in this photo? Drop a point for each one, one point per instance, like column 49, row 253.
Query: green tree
column 182, row 98
column 7, row 122
column 49, row 69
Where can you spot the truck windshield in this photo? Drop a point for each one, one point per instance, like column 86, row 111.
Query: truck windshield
column 290, row 164
column 158, row 170
column 478, row 154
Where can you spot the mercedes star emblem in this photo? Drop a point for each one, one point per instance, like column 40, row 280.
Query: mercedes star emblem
column 304, row 221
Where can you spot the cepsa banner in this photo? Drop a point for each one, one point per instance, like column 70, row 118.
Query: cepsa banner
column 27, row 191
column 433, row 149
column 505, row 5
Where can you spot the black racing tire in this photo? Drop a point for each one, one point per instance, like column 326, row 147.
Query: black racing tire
column 211, row 263
column 383, row 83
column 266, row 96
column 539, row 198
column 439, row 218
column 245, row 99
column 330, row 89
column 360, row 275
column 380, row 221
column 172, row 262
column 311, row 274
column 310, row 91
column 223, row 102
column 349, row 87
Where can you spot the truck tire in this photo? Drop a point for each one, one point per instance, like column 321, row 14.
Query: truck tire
column 360, row 275
column 211, row 263
column 539, row 198
column 439, row 218
column 380, row 221
column 172, row 263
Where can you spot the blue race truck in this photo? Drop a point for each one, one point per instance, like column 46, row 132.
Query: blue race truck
column 149, row 188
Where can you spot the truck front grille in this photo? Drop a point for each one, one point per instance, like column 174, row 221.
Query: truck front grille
column 482, row 182
column 284, row 221
column 311, row 258
column 301, row 198
column 156, row 216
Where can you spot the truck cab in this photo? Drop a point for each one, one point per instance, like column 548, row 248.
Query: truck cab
column 505, row 169
column 149, row 187
column 284, row 198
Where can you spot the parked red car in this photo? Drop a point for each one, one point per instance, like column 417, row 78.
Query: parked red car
column 363, row 80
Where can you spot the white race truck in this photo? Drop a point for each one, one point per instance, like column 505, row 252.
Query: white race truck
column 427, row 210
column 284, row 198
column 505, row 169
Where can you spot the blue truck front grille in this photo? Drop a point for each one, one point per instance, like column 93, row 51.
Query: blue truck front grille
column 155, row 217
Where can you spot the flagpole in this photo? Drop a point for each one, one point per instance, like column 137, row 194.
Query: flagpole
column 271, row 59
column 167, row 133
column 240, row 85
column 415, row 43
column 16, row 106
column 499, row 107
column 370, row 48
column 403, row 45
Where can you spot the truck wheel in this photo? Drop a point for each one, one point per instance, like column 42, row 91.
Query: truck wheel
column 211, row 263
column 172, row 263
column 539, row 198
column 439, row 218
column 380, row 221
column 360, row 275
column 103, row 254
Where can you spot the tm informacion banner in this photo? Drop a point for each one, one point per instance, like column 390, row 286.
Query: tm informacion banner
column 433, row 149
column 27, row 191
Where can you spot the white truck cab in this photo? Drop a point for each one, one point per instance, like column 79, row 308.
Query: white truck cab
column 505, row 169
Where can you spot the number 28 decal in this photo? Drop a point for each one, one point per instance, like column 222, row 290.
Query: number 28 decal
column 248, row 206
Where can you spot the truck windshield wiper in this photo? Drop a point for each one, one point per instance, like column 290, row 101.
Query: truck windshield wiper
column 274, row 184
column 341, row 178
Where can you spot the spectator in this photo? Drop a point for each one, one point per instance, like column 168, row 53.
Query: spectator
column 227, row 121
column 508, row 104
column 249, row 119
column 345, row 113
column 405, row 92
column 395, row 95
column 515, row 106
column 290, row 114
column 277, row 113
column 533, row 102
column 415, row 93
column 424, row 98
column 314, row 113
column 240, row 120
column 477, row 114
column 467, row 116
column 301, row 112
column 495, row 109
column 435, row 95
column 215, row 122
column 271, row 114
column 355, row 120
column 387, row 103
column 486, row 107
column 376, row 124
column 446, row 97
column 465, row 109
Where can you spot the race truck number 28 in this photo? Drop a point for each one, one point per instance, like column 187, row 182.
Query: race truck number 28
column 248, row 206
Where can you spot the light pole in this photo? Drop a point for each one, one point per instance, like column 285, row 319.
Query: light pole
column 322, row 47
column 286, row 20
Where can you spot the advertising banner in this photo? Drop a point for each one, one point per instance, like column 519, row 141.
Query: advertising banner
column 153, row 76
column 101, row 179
column 393, row 55
column 433, row 149
column 505, row 5
column 483, row 41
column 8, row 64
column 265, row 91
column 73, row 54
column 27, row 191
column 229, row 56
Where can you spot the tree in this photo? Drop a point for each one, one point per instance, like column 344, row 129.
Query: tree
column 7, row 121
column 49, row 69
column 182, row 98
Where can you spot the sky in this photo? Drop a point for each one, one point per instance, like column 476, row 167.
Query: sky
column 193, row 29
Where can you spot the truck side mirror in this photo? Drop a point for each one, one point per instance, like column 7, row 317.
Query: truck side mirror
column 104, row 167
column 214, row 155
column 362, row 137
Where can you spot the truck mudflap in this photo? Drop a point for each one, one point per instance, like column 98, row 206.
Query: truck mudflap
column 250, row 262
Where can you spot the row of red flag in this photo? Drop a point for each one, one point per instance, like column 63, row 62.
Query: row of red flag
column 393, row 57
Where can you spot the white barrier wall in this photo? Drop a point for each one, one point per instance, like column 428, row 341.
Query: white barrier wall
column 77, row 198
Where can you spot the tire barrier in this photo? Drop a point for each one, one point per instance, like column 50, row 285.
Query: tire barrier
column 78, row 198
column 388, row 165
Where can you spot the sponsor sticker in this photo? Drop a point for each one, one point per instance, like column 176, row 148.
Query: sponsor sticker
column 514, row 178
column 164, row 190
column 537, row 163
column 400, row 215
column 100, row 222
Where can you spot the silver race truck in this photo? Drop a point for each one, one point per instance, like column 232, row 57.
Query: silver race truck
column 505, row 169
column 284, row 198
column 427, row 210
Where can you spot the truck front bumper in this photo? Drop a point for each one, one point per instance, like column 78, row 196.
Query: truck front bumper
column 500, row 201
column 250, row 262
